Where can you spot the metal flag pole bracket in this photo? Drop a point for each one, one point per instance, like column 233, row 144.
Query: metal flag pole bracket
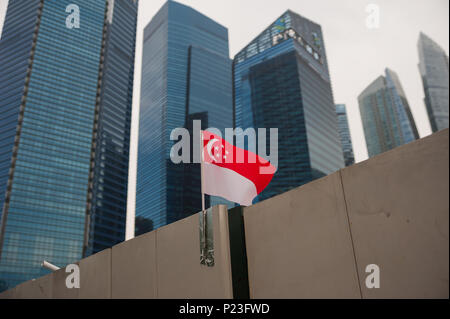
column 206, row 238
column 205, row 222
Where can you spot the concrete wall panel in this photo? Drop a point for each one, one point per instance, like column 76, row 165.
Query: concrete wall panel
column 95, row 276
column 59, row 287
column 180, row 274
column 40, row 288
column 134, row 270
column 8, row 294
column 299, row 245
column 398, row 205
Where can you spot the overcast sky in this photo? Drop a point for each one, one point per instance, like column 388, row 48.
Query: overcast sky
column 356, row 54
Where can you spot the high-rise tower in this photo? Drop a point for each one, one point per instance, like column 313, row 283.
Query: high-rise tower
column 386, row 116
column 433, row 67
column 281, row 80
column 344, row 133
column 186, row 76
column 65, row 109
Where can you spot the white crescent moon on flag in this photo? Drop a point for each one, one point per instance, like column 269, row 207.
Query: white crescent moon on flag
column 209, row 147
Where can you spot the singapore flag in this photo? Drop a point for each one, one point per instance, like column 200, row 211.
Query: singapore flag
column 233, row 173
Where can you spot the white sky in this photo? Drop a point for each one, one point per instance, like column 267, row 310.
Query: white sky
column 356, row 54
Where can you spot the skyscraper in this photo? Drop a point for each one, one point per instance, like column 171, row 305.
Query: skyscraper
column 65, row 109
column 186, row 76
column 281, row 80
column 433, row 67
column 344, row 133
column 386, row 116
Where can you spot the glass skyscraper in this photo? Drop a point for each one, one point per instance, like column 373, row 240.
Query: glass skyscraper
column 186, row 76
column 386, row 116
column 344, row 133
column 281, row 80
column 433, row 67
column 65, row 109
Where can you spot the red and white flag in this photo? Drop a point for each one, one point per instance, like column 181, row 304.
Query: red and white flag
column 233, row 173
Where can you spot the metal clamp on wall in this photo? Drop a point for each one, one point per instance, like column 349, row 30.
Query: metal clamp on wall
column 206, row 238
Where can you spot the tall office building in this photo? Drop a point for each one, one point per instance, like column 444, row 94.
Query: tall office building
column 281, row 80
column 186, row 76
column 65, row 109
column 344, row 133
column 433, row 67
column 386, row 116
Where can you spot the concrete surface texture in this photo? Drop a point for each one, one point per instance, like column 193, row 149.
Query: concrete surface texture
column 312, row 242
column 398, row 205
column 164, row 263
column 391, row 211
column 299, row 244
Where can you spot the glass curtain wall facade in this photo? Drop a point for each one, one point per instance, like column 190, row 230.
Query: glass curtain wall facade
column 344, row 132
column 386, row 116
column 433, row 67
column 54, row 85
column 110, row 180
column 281, row 80
column 186, row 76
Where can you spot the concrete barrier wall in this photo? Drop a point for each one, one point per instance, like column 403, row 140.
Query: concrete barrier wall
column 312, row 242
column 392, row 210
column 162, row 264
column 299, row 244
column 398, row 205
column 166, row 263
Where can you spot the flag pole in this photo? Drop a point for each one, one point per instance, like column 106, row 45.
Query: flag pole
column 201, row 170
column 204, row 253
